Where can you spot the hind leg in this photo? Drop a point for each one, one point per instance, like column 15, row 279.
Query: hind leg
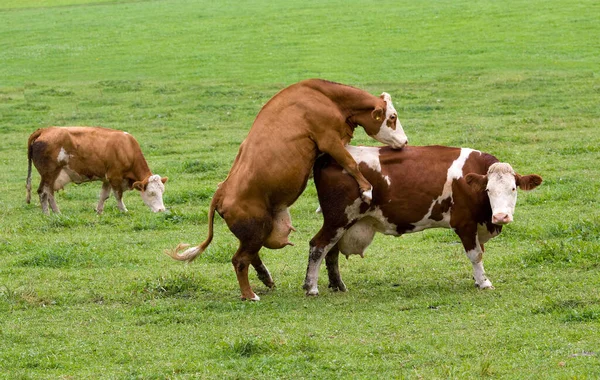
column 242, row 259
column 333, row 270
column 43, row 193
column 262, row 272
column 46, row 193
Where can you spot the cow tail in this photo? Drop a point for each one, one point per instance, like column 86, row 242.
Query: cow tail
column 190, row 254
column 30, row 142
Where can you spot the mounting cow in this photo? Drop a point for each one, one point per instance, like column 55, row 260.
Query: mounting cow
column 81, row 154
column 276, row 158
column 414, row 189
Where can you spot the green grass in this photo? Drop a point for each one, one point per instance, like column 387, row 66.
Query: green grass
column 87, row 296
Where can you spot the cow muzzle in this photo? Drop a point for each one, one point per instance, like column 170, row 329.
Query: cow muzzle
column 501, row 218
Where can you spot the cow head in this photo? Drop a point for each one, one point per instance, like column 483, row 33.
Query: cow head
column 152, row 189
column 500, row 183
column 389, row 129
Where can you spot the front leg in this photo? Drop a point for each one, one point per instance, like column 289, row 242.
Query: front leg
column 117, row 188
column 335, row 148
column 474, row 251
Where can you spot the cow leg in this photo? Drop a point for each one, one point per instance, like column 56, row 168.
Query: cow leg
column 333, row 270
column 242, row 259
column 262, row 272
column 104, row 194
column 46, row 193
column 335, row 148
column 474, row 251
column 43, row 193
column 117, row 187
column 319, row 247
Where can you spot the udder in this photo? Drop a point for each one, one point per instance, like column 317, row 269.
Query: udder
column 282, row 227
column 358, row 237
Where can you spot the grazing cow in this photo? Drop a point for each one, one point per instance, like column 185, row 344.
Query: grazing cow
column 275, row 161
column 80, row 154
column 414, row 189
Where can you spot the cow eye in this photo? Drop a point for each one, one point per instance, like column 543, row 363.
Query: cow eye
column 393, row 117
column 514, row 188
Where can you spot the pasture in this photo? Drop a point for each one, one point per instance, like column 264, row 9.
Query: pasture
column 88, row 296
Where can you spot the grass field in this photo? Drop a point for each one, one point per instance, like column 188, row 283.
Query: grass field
column 87, row 296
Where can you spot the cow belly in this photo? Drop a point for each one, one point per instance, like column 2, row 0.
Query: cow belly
column 358, row 237
column 67, row 175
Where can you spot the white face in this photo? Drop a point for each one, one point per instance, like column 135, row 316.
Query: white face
column 502, row 191
column 152, row 195
column 391, row 132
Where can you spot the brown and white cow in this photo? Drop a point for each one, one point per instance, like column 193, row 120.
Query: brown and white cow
column 415, row 188
column 275, row 161
column 81, row 154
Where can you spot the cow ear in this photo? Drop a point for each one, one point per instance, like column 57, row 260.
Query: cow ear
column 477, row 182
column 377, row 113
column 528, row 182
column 138, row 185
column 164, row 179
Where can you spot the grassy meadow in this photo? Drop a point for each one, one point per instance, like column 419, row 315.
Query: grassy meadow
column 88, row 296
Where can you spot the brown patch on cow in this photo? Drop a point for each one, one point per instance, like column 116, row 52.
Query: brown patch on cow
column 440, row 208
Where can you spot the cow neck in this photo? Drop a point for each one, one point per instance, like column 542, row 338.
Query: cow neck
column 140, row 170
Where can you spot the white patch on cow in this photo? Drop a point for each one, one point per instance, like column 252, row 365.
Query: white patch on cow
column 502, row 192
column 454, row 172
column 476, row 256
column 366, row 154
column 483, row 234
column 126, row 133
column 152, row 195
column 394, row 137
column 358, row 237
column 387, row 180
column 63, row 156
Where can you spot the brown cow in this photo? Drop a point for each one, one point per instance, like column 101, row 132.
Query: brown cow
column 276, row 158
column 80, row 154
column 414, row 189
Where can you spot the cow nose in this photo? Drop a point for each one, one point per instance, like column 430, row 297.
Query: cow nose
column 501, row 218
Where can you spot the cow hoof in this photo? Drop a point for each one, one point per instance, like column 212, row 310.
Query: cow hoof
column 253, row 298
column 487, row 284
column 367, row 196
column 312, row 292
column 338, row 287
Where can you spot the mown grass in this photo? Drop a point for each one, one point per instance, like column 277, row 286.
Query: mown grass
column 87, row 296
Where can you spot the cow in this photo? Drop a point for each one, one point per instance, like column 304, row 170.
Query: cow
column 81, row 154
column 275, row 160
column 416, row 188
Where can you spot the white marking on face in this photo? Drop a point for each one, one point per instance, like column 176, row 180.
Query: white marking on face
column 455, row 171
column 502, row 192
column 63, row 156
column 387, row 180
column 152, row 195
column 394, row 137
